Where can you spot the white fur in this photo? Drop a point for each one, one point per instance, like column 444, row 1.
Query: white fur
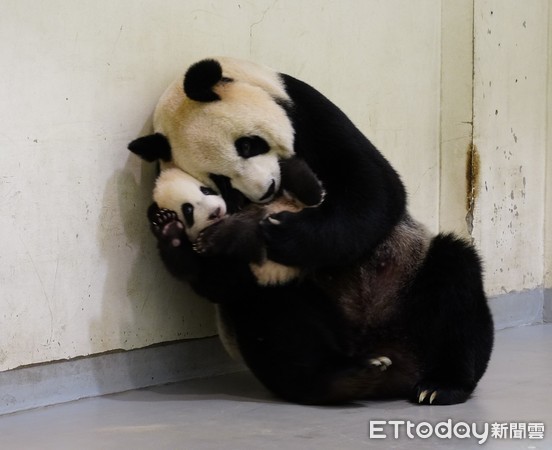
column 202, row 134
column 174, row 187
column 271, row 273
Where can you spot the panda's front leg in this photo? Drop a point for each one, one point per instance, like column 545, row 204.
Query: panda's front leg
column 174, row 247
column 237, row 236
column 300, row 238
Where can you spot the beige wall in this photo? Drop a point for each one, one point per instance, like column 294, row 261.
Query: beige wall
column 79, row 272
column 456, row 114
column 510, row 121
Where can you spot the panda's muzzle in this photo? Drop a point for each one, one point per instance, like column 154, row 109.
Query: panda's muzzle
column 270, row 192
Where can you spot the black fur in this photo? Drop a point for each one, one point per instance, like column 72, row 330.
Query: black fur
column 448, row 314
column 365, row 197
column 200, row 79
column 318, row 339
column 298, row 178
column 239, row 235
column 234, row 199
column 308, row 344
column 152, row 147
column 250, row 146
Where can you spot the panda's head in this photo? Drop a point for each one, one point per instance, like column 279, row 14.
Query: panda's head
column 225, row 121
column 196, row 205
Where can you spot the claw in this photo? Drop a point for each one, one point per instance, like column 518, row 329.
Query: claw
column 432, row 397
column 273, row 221
column 197, row 246
column 383, row 362
column 422, row 396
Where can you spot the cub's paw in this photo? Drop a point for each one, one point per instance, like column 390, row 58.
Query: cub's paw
column 166, row 226
column 207, row 242
column 381, row 363
column 430, row 394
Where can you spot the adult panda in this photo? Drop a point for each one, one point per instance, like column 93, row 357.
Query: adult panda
column 380, row 292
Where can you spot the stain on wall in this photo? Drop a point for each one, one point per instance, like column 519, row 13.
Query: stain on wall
column 473, row 163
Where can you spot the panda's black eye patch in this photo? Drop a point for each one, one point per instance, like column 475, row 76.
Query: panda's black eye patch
column 188, row 213
column 207, row 190
column 249, row 146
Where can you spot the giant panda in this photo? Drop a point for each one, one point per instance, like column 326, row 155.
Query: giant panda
column 380, row 292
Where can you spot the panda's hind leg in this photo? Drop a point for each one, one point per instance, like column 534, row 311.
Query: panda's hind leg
column 451, row 323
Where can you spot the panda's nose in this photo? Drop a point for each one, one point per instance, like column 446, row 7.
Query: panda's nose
column 270, row 192
column 216, row 214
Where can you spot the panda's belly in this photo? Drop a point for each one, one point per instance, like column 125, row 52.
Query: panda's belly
column 371, row 293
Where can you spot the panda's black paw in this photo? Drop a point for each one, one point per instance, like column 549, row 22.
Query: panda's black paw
column 284, row 237
column 165, row 225
column 233, row 238
column 432, row 394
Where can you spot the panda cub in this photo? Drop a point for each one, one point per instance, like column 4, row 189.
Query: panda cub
column 200, row 208
column 197, row 206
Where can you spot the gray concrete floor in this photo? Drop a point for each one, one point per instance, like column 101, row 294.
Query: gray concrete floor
column 234, row 412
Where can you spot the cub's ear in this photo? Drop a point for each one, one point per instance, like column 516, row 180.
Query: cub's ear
column 152, row 147
column 200, row 79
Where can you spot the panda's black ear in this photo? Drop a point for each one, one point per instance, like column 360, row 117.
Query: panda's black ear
column 200, row 79
column 152, row 147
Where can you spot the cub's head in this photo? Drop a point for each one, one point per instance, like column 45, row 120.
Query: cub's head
column 224, row 121
column 196, row 205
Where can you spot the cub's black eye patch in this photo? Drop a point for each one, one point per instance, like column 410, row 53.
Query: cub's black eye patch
column 188, row 213
column 249, row 146
column 207, row 190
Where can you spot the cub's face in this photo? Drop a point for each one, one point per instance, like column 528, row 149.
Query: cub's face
column 197, row 206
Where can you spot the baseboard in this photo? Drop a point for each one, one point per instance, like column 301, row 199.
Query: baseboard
column 518, row 308
column 548, row 305
column 64, row 381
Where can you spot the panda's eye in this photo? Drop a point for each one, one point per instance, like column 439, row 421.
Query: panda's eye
column 249, row 146
column 207, row 190
column 188, row 213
